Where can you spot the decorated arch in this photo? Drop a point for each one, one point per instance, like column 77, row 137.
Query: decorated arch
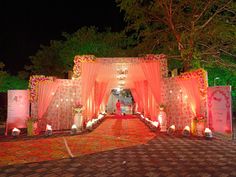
column 184, row 96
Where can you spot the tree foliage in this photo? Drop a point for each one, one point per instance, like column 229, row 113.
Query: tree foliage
column 194, row 31
column 57, row 58
column 9, row 82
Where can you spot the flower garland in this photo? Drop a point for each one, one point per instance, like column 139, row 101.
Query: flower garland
column 33, row 85
column 77, row 63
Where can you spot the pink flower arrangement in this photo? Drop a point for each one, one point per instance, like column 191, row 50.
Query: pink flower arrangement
column 199, row 118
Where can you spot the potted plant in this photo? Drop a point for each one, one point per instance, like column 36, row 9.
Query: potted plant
column 199, row 125
column 78, row 117
column 31, row 125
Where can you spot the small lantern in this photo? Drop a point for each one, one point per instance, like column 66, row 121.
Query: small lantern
column 208, row 133
column 15, row 132
column 155, row 124
column 171, row 130
column 89, row 125
column 48, row 131
column 186, row 131
column 74, row 129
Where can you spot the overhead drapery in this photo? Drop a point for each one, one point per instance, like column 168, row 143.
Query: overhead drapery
column 100, row 90
column 46, row 91
column 152, row 73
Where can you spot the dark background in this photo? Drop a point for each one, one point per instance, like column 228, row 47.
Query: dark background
column 24, row 25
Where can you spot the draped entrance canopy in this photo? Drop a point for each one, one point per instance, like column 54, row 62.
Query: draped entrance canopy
column 100, row 75
column 184, row 96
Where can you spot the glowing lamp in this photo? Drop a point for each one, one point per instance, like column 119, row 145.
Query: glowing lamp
column 155, row 124
column 171, row 130
column 15, row 132
column 100, row 116
column 89, row 125
column 208, row 133
column 73, row 129
column 48, row 131
column 186, row 131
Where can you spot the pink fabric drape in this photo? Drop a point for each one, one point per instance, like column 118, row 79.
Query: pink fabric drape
column 142, row 92
column 46, row 91
column 153, row 75
column 89, row 73
column 136, row 99
column 190, row 88
column 100, row 90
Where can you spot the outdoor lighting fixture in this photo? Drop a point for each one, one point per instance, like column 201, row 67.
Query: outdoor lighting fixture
column 216, row 78
column 48, row 131
column 186, row 131
column 155, row 124
column 89, row 125
column 100, row 116
column 208, row 133
column 122, row 82
column 15, row 132
column 171, row 130
column 74, row 129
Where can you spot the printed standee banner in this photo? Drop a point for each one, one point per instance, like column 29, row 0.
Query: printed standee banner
column 219, row 109
column 17, row 109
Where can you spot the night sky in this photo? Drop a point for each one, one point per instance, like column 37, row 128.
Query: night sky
column 24, row 25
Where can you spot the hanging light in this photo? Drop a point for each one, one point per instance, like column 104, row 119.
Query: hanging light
column 15, row 132
column 121, row 82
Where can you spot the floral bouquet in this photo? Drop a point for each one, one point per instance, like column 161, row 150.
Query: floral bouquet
column 78, row 108
column 199, row 118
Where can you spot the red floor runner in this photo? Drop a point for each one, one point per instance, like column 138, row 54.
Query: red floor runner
column 114, row 132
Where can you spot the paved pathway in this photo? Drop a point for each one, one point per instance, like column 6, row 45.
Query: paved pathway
column 161, row 156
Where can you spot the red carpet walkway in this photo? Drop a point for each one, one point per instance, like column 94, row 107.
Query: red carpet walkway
column 113, row 133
